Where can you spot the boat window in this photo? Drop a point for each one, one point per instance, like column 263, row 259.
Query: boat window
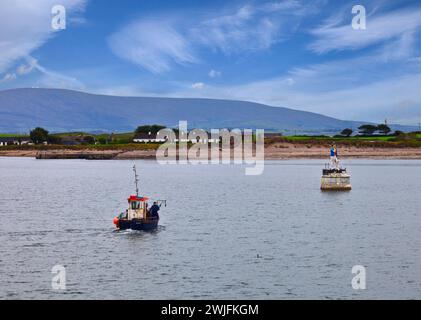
column 136, row 205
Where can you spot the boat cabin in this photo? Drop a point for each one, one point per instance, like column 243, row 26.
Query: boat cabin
column 138, row 207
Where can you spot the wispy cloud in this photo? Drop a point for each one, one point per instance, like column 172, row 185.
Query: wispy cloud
column 48, row 78
column 159, row 43
column 8, row 77
column 198, row 85
column 214, row 73
column 152, row 44
column 26, row 25
column 23, row 69
column 52, row 79
column 28, row 67
column 246, row 29
column 380, row 27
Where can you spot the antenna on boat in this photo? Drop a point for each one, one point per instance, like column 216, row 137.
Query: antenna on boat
column 136, row 180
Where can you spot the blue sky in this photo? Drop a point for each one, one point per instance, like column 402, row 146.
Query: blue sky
column 298, row 54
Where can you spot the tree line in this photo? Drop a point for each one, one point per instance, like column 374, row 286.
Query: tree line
column 368, row 130
column 40, row 135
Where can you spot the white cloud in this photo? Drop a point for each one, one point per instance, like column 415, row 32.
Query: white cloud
column 281, row 5
column 198, row 85
column 26, row 25
column 52, row 79
column 27, row 68
column 214, row 74
column 249, row 28
column 124, row 91
column 48, row 78
column 380, row 27
column 158, row 43
column 21, row 70
column 8, row 77
column 289, row 81
column 233, row 33
column 152, row 44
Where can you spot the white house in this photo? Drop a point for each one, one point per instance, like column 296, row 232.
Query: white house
column 151, row 138
column 147, row 138
column 17, row 141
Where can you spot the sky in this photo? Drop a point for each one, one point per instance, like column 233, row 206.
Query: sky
column 309, row 55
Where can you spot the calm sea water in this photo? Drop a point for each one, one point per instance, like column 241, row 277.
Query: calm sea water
column 223, row 234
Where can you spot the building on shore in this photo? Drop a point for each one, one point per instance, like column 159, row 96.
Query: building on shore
column 147, row 138
column 14, row 141
column 151, row 138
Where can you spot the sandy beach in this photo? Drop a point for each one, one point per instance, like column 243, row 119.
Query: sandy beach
column 299, row 151
column 276, row 151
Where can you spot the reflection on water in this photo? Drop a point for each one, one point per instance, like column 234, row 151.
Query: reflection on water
column 222, row 235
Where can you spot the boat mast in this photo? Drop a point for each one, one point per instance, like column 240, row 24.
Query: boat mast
column 136, row 180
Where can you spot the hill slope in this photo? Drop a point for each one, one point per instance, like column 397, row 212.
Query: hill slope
column 65, row 110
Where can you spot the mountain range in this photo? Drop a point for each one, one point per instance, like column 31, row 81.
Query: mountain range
column 60, row 110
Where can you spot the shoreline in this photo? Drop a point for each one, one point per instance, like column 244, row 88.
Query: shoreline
column 283, row 151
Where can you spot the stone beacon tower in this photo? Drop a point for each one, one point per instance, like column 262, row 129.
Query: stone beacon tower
column 335, row 178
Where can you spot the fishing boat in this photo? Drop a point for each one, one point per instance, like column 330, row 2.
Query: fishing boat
column 334, row 176
column 138, row 216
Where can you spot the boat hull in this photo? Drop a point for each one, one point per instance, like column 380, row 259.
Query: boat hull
column 138, row 224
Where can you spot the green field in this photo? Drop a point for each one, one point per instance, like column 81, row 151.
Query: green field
column 117, row 138
column 407, row 140
column 11, row 135
column 125, row 140
column 327, row 138
column 126, row 135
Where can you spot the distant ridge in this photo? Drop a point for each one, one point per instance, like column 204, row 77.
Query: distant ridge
column 66, row 110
